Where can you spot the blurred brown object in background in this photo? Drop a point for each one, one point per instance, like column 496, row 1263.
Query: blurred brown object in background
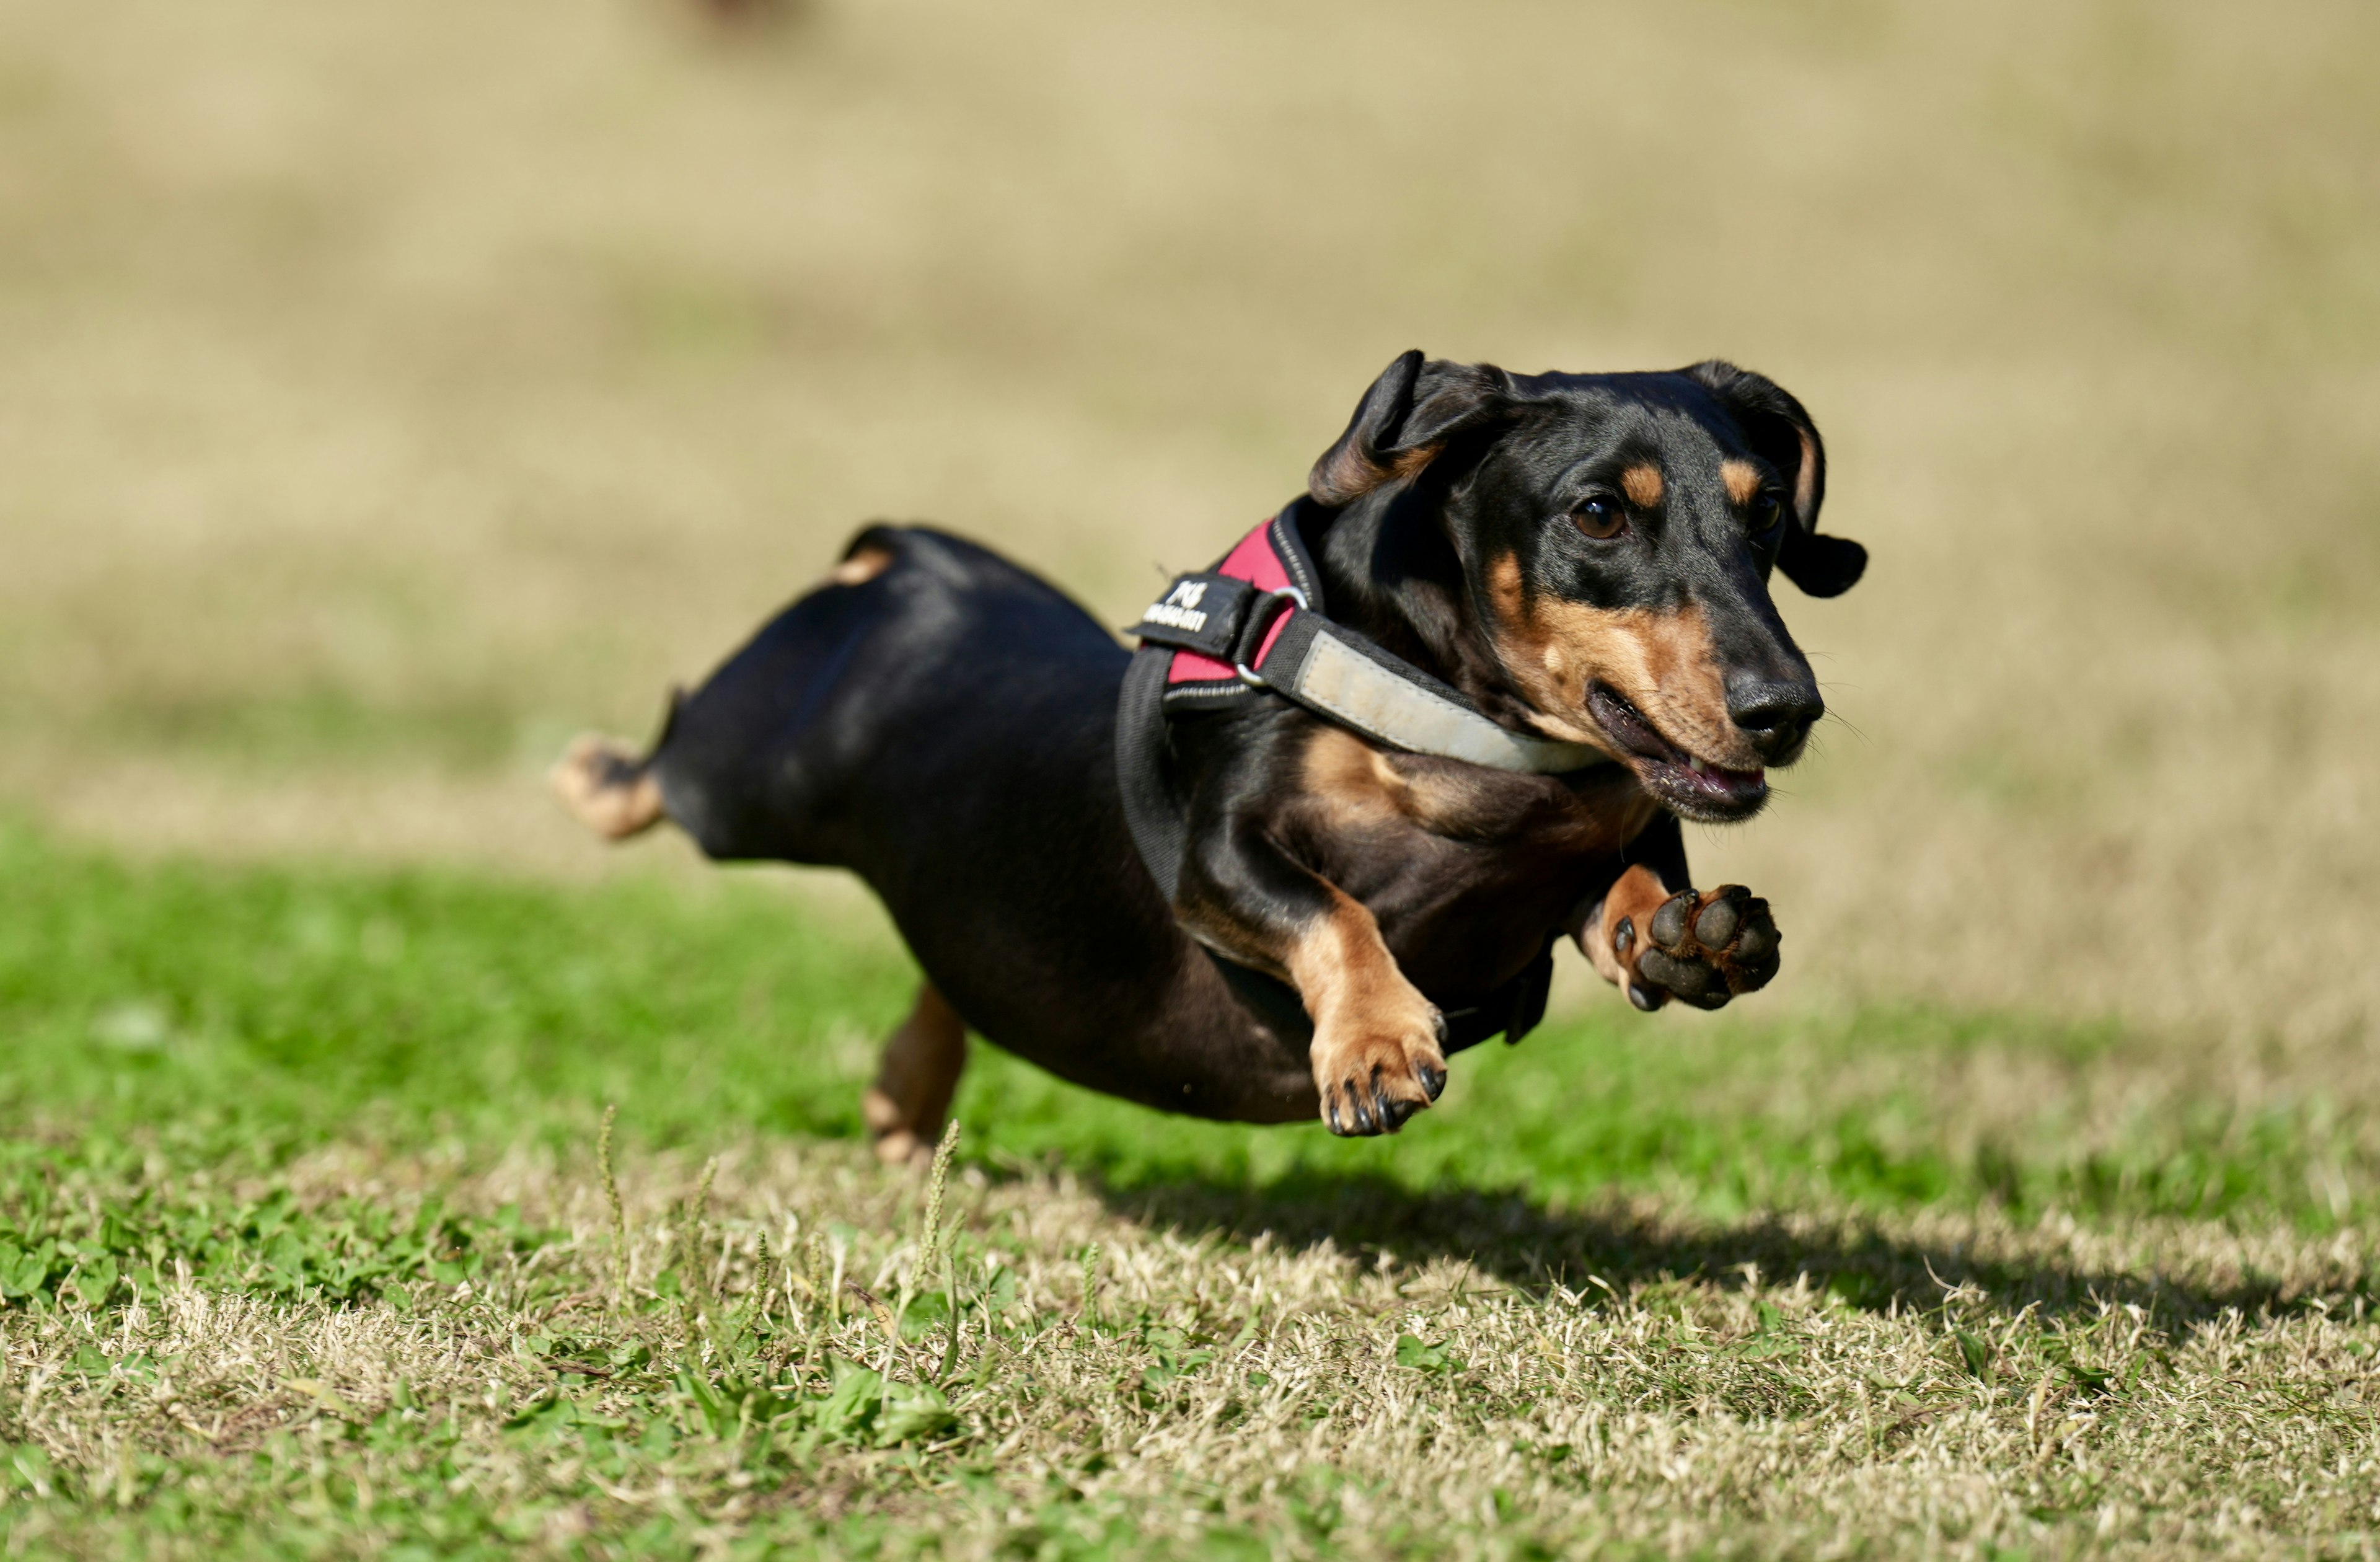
column 749, row 13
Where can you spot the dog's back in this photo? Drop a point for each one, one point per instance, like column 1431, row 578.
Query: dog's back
column 943, row 722
column 848, row 721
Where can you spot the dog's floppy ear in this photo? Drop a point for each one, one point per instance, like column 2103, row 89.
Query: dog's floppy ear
column 1783, row 435
column 1405, row 419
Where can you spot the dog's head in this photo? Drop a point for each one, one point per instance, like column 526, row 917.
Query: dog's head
column 1616, row 533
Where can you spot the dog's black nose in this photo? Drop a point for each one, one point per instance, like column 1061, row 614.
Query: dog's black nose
column 1775, row 716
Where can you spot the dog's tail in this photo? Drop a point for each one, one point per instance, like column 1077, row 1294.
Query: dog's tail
column 608, row 785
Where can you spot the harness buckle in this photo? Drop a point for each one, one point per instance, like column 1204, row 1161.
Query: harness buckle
column 1260, row 621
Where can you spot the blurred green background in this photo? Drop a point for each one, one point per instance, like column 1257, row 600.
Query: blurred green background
column 393, row 390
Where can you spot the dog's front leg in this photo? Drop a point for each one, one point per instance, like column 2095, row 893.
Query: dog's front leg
column 1379, row 1052
column 1651, row 942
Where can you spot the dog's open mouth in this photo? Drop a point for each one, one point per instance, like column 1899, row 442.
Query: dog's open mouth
column 1694, row 788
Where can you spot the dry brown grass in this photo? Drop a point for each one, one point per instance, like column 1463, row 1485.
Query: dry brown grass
column 2133, row 1391
column 303, row 1251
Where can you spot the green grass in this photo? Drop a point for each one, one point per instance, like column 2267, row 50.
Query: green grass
column 259, row 1113
column 208, row 1010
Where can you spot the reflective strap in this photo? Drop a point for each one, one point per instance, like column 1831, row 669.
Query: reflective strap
column 1319, row 666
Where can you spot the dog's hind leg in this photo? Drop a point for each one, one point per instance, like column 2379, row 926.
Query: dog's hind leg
column 608, row 786
column 911, row 1097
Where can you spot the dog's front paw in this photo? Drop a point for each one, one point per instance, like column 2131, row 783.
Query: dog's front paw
column 1372, row 1076
column 1704, row 949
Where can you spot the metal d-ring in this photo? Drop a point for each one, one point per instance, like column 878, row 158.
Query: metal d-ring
column 1248, row 675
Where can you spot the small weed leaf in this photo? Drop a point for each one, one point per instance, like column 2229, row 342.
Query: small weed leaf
column 726, row 1404
column 555, row 1412
column 24, row 1273
column 26, row 1469
column 1767, row 1347
column 1869, row 1293
column 999, row 1295
column 864, row 1410
column 928, row 1312
column 847, row 1414
column 1769, row 1340
column 93, row 1281
column 1975, row 1355
column 545, row 1413
column 1175, row 1355
column 2092, row 1382
column 1175, row 1358
column 1430, row 1357
column 913, row 1412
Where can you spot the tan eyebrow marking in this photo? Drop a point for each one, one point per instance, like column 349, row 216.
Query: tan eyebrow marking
column 1641, row 483
column 867, row 562
column 1743, row 478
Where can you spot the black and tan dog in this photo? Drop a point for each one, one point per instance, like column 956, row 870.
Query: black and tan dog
column 1582, row 559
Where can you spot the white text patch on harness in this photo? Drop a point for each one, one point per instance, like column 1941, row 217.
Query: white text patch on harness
column 1180, row 608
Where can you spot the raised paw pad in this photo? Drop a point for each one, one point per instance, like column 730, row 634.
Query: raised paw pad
column 1669, row 928
column 1715, row 929
column 1707, row 948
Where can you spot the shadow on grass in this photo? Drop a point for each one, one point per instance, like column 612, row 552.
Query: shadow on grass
column 1532, row 1248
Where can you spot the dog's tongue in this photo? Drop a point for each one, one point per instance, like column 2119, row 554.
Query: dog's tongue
column 1629, row 728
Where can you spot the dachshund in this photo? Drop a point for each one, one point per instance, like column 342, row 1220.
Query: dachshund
column 1538, row 634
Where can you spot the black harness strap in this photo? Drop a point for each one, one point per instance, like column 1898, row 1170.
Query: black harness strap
column 1144, row 768
column 1342, row 677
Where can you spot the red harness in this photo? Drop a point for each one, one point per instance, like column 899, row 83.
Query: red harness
column 1257, row 621
column 1255, row 625
column 1255, row 559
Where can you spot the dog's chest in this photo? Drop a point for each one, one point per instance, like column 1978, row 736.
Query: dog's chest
column 1412, row 828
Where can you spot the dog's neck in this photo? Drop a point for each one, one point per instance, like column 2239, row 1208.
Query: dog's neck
column 1391, row 572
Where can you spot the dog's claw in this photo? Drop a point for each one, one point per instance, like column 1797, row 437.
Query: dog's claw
column 1704, row 949
column 1375, row 1081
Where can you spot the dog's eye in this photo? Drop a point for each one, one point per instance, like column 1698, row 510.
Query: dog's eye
column 1768, row 518
column 1600, row 518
